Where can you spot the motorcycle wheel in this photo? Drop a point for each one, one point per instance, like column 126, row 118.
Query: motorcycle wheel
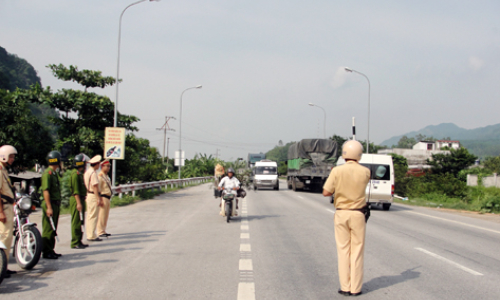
column 3, row 265
column 227, row 208
column 28, row 256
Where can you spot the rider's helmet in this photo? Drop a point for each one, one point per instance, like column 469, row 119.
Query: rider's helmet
column 230, row 170
column 54, row 158
column 352, row 150
column 5, row 151
column 80, row 160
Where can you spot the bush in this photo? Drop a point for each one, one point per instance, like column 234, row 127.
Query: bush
column 442, row 184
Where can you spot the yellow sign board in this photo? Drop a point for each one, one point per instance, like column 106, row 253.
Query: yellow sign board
column 114, row 143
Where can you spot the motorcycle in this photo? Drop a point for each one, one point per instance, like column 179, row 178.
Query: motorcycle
column 27, row 237
column 3, row 261
column 228, row 203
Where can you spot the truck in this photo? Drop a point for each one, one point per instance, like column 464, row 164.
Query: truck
column 309, row 163
column 380, row 188
column 255, row 157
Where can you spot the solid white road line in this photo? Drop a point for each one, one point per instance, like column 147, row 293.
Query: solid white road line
column 452, row 221
column 300, row 197
column 246, row 291
column 450, row 262
column 332, row 211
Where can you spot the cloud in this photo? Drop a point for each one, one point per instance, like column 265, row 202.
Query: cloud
column 339, row 78
column 475, row 63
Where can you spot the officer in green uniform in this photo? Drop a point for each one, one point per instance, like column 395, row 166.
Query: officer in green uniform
column 51, row 190
column 76, row 202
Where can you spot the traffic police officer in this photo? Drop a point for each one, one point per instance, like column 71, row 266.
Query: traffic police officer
column 93, row 199
column 348, row 183
column 51, row 190
column 7, row 156
column 105, row 188
column 76, row 204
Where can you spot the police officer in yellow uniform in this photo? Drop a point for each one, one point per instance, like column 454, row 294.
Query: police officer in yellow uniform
column 76, row 204
column 7, row 156
column 51, row 190
column 105, row 189
column 348, row 183
column 93, row 200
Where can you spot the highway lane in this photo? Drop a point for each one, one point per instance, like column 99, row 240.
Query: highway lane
column 178, row 247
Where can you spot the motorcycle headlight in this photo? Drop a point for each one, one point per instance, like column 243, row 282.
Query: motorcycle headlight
column 25, row 203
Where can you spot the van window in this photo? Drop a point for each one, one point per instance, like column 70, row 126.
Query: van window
column 379, row 172
column 265, row 171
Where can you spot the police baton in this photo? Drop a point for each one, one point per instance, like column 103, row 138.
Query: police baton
column 83, row 222
column 54, row 228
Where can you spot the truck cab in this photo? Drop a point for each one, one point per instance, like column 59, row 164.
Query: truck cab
column 380, row 189
column 265, row 175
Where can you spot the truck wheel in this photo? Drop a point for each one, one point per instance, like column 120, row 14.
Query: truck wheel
column 277, row 187
column 289, row 184
column 386, row 206
column 294, row 187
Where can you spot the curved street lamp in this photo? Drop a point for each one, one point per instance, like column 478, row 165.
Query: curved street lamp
column 368, row 131
column 115, row 118
column 324, row 119
column 180, row 128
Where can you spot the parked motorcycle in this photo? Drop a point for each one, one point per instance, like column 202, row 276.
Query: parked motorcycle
column 3, row 262
column 27, row 237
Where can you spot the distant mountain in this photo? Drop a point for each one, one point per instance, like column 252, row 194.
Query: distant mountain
column 16, row 72
column 483, row 141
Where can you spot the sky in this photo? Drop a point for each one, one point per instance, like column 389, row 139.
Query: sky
column 261, row 62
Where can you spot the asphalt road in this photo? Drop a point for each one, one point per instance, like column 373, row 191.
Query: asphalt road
column 281, row 246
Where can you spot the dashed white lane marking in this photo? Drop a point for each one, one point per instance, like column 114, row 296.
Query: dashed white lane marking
column 332, row 211
column 245, row 248
column 452, row 221
column 246, row 291
column 246, row 286
column 450, row 262
column 300, row 197
column 246, row 265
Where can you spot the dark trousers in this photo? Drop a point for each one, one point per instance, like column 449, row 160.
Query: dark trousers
column 48, row 234
column 76, row 222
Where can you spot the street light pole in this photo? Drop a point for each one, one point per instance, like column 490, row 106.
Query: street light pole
column 180, row 128
column 324, row 119
column 369, row 87
column 115, row 118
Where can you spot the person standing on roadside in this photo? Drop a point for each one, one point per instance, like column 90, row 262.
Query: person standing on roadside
column 76, row 204
column 7, row 157
column 348, row 182
column 51, row 192
column 105, row 188
column 93, row 199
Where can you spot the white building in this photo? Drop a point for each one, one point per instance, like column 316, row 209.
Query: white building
column 436, row 145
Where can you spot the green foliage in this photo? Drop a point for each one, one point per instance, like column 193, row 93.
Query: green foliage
column 16, row 72
column 443, row 184
column 279, row 153
column 452, row 163
column 400, row 177
column 405, row 142
column 492, row 164
column 87, row 78
column 282, row 168
column 65, row 188
column 480, row 172
column 340, row 140
column 202, row 165
column 22, row 130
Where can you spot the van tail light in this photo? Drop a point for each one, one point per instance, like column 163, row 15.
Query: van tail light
column 392, row 190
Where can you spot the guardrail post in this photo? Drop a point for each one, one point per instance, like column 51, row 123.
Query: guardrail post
column 120, row 195
column 133, row 193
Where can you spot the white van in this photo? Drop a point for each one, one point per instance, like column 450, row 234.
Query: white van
column 265, row 174
column 381, row 186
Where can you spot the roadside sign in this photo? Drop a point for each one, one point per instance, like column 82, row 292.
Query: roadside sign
column 179, row 160
column 114, row 143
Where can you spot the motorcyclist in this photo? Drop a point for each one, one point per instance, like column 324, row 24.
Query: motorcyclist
column 232, row 185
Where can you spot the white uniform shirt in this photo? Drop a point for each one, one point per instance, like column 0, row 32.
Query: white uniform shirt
column 229, row 183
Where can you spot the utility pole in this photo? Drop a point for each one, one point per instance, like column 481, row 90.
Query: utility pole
column 168, row 142
column 217, row 153
column 165, row 127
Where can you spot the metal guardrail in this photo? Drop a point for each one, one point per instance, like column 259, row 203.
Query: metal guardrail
column 127, row 188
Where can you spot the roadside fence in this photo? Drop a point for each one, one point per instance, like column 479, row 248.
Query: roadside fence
column 127, row 188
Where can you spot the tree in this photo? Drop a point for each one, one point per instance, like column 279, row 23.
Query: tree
column 492, row 164
column 340, row 140
column 406, row 142
column 16, row 72
column 87, row 78
column 22, row 130
column 452, row 163
column 279, row 153
column 400, row 169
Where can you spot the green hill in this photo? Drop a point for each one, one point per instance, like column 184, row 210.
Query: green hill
column 483, row 141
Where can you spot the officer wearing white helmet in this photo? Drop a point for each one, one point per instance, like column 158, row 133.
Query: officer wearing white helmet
column 7, row 156
column 348, row 183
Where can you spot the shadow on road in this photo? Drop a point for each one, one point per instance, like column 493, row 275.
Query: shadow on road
column 387, row 281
